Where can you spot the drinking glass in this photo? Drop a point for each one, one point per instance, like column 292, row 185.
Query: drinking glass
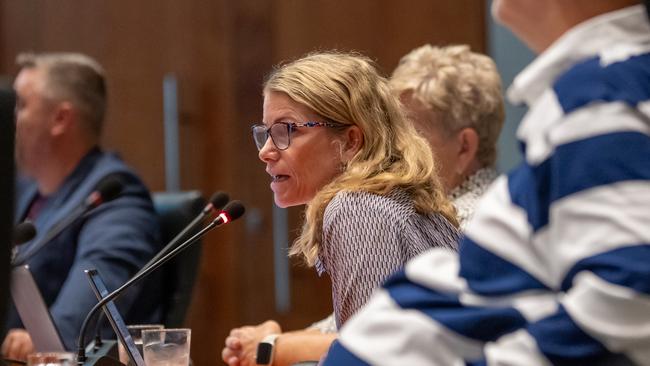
column 51, row 359
column 166, row 347
column 136, row 334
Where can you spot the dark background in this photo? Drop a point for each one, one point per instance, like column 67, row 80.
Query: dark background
column 7, row 102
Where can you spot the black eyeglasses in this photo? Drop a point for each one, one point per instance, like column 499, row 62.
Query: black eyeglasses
column 280, row 132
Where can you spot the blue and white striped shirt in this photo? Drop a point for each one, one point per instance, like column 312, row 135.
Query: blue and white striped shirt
column 555, row 265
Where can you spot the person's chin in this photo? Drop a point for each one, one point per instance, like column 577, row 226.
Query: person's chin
column 281, row 202
column 286, row 202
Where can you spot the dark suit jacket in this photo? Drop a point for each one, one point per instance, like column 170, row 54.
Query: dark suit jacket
column 116, row 238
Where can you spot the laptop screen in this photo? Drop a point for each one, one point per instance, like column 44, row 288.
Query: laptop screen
column 114, row 317
column 34, row 312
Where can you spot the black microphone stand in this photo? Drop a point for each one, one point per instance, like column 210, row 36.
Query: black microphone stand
column 107, row 190
column 217, row 201
column 81, row 352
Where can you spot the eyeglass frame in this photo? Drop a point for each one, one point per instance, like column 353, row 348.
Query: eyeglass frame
column 290, row 126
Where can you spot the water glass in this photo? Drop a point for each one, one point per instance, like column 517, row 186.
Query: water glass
column 51, row 359
column 166, row 347
column 136, row 334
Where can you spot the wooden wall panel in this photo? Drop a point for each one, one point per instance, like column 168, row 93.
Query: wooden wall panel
column 220, row 51
column 382, row 29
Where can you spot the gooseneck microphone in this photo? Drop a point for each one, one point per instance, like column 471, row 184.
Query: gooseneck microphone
column 107, row 189
column 232, row 211
column 217, row 202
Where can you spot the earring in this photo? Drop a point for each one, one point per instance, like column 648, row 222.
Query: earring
column 461, row 176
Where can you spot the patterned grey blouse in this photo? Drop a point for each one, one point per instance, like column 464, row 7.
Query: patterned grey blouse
column 367, row 237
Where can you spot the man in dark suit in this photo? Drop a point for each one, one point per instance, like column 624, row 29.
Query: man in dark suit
column 61, row 100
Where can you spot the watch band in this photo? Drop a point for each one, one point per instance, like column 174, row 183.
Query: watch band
column 264, row 354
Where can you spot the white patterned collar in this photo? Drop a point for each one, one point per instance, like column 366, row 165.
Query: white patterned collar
column 466, row 196
column 477, row 181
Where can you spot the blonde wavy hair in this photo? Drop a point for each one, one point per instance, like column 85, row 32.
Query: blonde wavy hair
column 460, row 86
column 346, row 88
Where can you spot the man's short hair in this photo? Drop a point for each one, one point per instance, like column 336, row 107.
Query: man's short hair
column 75, row 78
column 461, row 87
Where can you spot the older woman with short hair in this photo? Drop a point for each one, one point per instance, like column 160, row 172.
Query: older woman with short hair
column 340, row 143
column 453, row 97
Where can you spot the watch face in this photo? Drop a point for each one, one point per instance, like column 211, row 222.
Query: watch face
column 264, row 351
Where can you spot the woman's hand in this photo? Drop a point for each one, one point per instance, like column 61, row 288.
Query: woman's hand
column 241, row 345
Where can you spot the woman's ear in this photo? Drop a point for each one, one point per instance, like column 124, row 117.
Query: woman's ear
column 353, row 142
column 468, row 142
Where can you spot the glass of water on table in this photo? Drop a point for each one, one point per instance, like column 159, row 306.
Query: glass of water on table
column 51, row 359
column 136, row 334
column 166, row 347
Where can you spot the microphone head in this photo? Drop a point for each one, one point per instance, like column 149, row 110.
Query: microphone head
column 234, row 210
column 106, row 190
column 23, row 232
column 218, row 200
column 109, row 188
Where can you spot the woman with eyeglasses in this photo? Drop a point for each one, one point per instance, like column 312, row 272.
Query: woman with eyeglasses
column 334, row 138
